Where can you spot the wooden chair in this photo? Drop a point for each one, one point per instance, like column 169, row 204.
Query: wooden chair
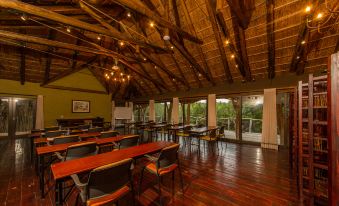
column 184, row 134
column 54, row 133
column 221, row 134
column 106, row 184
column 167, row 162
column 66, row 139
column 109, row 146
column 210, row 138
column 129, row 141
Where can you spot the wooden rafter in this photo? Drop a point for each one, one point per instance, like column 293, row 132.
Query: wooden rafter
column 71, row 71
column 238, row 59
column 270, row 38
column 163, row 68
column 179, row 68
column 22, row 65
column 201, row 53
column 51, row 36
column 211, row 14
column 137, row 6
column 242, row 11
column 47, row 14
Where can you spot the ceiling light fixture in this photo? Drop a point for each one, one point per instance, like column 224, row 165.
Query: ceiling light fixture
column 68, row 29
column 24, row 17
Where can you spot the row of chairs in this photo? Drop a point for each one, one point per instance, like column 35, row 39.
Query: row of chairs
column 211, row 137
column 97, row 190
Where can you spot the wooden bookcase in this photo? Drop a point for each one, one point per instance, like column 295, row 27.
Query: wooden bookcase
column 314, row 140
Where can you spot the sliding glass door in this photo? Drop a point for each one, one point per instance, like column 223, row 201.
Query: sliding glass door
column 17, row 115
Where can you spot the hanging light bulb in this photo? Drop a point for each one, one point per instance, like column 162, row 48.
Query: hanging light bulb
column 232, row 56
column 122, row 43
column 152, row 24
column 303, row 42
column 145, row 59
column 99, row 37
column 112, row 73
column 23, row 17
column 308, row 9
column 68, row 29
column 128, row 76
column 129, row 14
column 172, row 47
column 123, row 79
column 227, row 42
column 319, row 15
column 166, row 36
column 121, row 74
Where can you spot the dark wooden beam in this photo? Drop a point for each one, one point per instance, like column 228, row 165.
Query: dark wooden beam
column 311, row 43
column 159, row 64
column 177, row 20
column 71, row 71
column 180, row 70
column 243, row 69
column 270, row 38
column 51, row 36
column 74, row 89
column 211, row 14
column 243, row 10
column 22, row 65
column 75, row 55
column 139, row 7
column 201, row 53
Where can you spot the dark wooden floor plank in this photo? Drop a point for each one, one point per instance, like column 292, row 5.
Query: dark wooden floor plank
column 236, row 175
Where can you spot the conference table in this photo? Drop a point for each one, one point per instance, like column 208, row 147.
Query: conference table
column 37, row 139
column 44, row 151
column 63, row 170
column 175, row 129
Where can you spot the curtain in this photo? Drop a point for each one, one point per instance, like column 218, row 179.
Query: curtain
column 113, row 117
column 151, row 111
column 269, row 123
column 212, row 115
column 175, row 111
column 39, row 118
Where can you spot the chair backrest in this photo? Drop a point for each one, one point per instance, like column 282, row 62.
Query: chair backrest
column 168, row 156
column 109, row 134
column 187, row 128
column 213, row 133
column 47, row 129
column 109, row 178
column 95, row 129
column 66, row 139
column 129, row 141
column 85, row 126
column 81, row 150
column 222, row 130
column 53, row 133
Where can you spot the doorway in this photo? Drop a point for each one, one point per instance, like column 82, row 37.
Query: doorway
column 17, row 115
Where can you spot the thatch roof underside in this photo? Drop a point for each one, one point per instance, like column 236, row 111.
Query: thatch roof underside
column 197, row 54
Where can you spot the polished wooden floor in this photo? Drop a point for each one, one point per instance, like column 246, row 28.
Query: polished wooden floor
column 236, row 175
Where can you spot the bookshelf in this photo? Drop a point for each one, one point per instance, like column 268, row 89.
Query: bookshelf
column 314, row 151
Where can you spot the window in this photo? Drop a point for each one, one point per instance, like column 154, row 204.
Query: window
column 252, row 111
column 226, row 116
column 198, row 111
column 141, row 112
column 159, row 111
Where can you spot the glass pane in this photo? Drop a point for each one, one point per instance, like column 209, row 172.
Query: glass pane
column 24, row 115
column 198, row 112
column 141, row 112
column 159, row 112
column 226, row 116
column 4, row 115
column 252, row 110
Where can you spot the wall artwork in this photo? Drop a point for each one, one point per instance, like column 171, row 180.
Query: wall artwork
column 80, row 106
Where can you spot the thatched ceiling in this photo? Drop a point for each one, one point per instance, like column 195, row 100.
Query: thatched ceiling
column 211, row 41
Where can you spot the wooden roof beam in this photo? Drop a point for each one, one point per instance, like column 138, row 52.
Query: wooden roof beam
column 270, row 38
column 51, row 36
column 201, row 53
column 71, row 71
column 238, row 59
column 221, row 48
column 22, row 65
column 139, row 7
column 159, row 64
column 47, row 14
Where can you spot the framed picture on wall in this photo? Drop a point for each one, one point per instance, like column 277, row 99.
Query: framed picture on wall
column 80, row 106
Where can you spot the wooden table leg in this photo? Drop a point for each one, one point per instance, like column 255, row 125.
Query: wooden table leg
column 58, row 192
column 41, row 164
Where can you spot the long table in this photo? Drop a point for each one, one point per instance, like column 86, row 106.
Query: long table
column 41, row 152
column 63, row 170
